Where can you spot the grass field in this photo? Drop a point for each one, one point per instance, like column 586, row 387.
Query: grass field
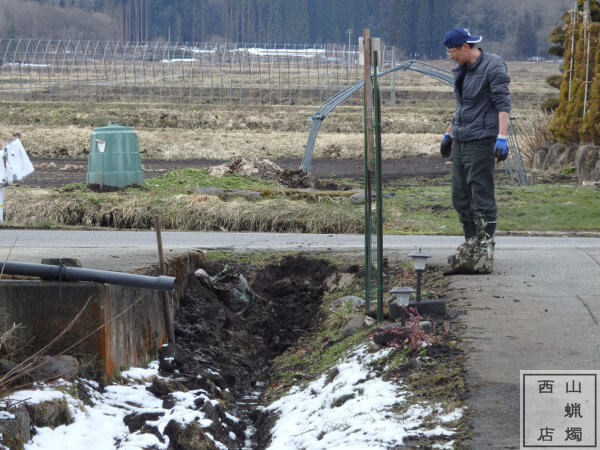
column 415, row 206
column 412, row 127
column 422, row 112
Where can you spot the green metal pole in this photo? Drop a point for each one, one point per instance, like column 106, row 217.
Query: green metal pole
column 369, row 150
column 368, row 265
column 377, row 127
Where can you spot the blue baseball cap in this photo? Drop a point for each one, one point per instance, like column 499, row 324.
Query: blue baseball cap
column 459, row 36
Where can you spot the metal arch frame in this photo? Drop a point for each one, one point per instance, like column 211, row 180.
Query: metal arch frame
column 72, row 68
column 23, row 61
column 114, row 69
column 123, row 96
column 49, row 68
column 63, row 68
column 39, row 71
column 154, row 67
column 106, row 82
column 14, row 63
column 96, row 75
column 85, row 64
column 133, row 67
column 440, row 74
column 162, row 69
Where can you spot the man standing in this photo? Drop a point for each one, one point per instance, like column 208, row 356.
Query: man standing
column 478, row 131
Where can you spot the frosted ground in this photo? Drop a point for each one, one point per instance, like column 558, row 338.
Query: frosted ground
column 306, row 418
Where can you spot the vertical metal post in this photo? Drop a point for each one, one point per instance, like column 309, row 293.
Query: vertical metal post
column 379, row 188
column 1, row 204
column 573, row 23
column 419, row 282
column 393, row 74
column 368, row 133
column 586, row 23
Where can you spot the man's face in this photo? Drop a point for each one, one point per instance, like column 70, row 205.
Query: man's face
column 458, row 54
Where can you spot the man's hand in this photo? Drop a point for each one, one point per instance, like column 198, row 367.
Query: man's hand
column 500, row 149
column 446, row 146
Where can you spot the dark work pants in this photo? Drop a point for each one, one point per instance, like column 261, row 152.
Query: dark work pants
column 473, row 180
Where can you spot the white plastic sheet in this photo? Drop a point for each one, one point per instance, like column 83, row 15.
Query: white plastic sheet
column 15, row 164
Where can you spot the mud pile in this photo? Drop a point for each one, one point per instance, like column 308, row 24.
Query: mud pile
column 229, row 327
column 268, row 170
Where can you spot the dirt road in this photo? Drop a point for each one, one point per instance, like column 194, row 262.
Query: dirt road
column 56, row 172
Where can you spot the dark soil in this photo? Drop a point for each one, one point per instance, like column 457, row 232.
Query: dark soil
column 224, row 347
column 56, row 172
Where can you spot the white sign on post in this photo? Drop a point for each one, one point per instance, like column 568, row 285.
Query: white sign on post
column 14, row 166
column 376, row 46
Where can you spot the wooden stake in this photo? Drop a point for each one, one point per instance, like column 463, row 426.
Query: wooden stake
column 161, row 268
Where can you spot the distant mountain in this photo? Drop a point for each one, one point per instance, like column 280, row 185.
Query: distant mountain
column 416, row 26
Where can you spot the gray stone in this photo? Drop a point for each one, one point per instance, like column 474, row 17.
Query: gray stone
column 586, row 160
column 338, row 280
column 538, row 158
column 6, row 366
column 246, row 193
column 358, row 198
column 15, row 426
column 51, row 413
column 331, row 375
column 342, row 399
column 369, row 321
column 373, row 347
column 352, row 299
column 435, row 308
column 426, row 326
column 553, row 155
column 567, row 157
column 63, row 366
column 411, row 364
column 353, row 326
column 210, row 190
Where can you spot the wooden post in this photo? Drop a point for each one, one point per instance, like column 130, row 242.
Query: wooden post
column 165, row 298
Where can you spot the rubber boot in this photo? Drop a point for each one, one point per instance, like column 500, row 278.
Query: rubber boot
column 490, row 229
column 469, row 229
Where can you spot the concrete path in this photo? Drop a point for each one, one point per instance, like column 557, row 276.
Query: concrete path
column 539, row 310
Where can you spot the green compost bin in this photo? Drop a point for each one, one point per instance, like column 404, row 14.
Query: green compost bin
column 114, row 158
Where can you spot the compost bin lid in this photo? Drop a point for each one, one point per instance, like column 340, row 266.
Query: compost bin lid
column 112, row 127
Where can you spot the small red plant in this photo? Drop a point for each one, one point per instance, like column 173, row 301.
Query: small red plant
column 410, row 333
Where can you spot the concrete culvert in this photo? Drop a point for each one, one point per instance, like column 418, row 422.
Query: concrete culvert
column 229, row 327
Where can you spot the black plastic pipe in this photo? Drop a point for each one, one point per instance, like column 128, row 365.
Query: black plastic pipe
column 65, row 273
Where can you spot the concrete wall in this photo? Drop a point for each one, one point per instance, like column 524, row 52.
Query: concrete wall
column 45, row 308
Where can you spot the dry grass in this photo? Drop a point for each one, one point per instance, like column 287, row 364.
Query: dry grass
column 170, row 131
column 172, row 144
column 533, row 130
column 32, row 207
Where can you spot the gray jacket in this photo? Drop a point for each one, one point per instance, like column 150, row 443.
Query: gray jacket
column 484, row 93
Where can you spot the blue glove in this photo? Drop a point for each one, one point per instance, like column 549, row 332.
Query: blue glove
column 446, row 146
column 500, row 149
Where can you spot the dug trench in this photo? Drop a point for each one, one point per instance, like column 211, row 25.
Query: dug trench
column 232, row 321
